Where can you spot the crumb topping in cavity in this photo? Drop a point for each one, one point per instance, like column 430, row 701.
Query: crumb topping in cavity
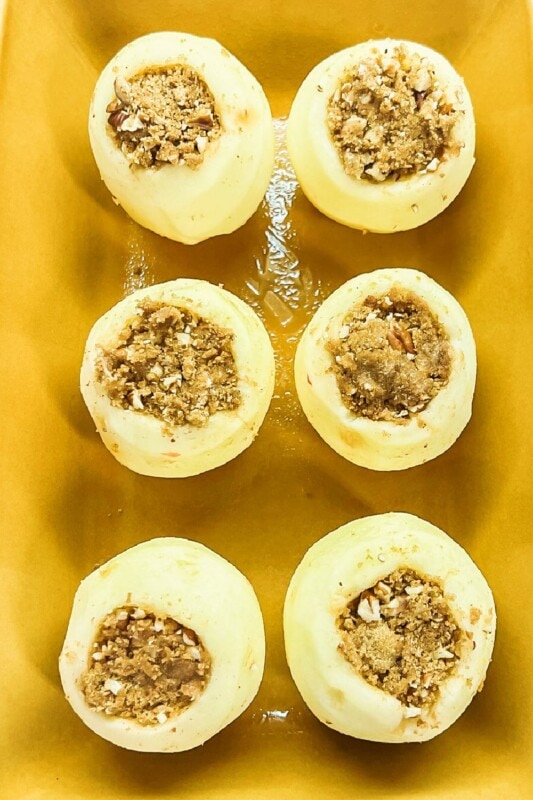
column 390, row 116
column 391, row 358
column 144, row 667
column 164, row 115
column 171, row 364
column 401, row 636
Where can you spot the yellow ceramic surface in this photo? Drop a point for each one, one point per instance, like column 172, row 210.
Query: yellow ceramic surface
column 68, row 254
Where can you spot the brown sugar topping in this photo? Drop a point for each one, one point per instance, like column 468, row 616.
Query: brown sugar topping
column 400, row 635
column 392, row 357
column 163, row 115
column 390, row 117
column 144, row 667
column 171, row 364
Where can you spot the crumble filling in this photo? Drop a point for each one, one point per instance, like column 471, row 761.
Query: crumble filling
column 172, row 364
column 163, row 115
column 401, row 636
column 144, row 667
column 392, row 357
column 390, row 116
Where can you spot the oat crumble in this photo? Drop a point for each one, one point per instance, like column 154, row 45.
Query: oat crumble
column 171, row 364
column 401, row 636
column 163, row 115
column 392, row 357
column 144, row 667
column 390, row 116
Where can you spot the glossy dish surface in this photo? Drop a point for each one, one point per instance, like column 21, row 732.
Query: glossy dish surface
column 69, row 254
